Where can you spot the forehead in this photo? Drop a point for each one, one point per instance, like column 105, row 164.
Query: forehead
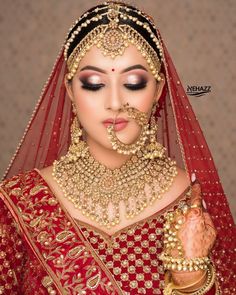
column 95, row 57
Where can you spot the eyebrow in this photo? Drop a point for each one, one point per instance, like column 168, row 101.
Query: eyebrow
column 134, row 67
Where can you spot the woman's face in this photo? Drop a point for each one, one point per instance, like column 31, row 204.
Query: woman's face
column 102, row 85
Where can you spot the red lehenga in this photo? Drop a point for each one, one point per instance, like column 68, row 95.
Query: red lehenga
column 45, row 251
column 45, row 248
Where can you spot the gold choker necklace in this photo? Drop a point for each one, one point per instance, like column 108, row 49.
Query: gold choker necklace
column 97, row 191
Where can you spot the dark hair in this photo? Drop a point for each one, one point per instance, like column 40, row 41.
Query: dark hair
column 103, row 8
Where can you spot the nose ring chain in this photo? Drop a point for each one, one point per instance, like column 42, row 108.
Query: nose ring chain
column 142, row 119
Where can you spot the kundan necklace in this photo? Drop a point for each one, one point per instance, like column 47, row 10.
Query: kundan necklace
column 97, row 191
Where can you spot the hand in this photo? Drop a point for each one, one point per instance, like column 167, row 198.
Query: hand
column 197, row 233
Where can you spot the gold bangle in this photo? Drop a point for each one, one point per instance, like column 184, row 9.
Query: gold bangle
column 172, row 289
column 200, row 280
column 171, row 285
column 184, row 264
column 179, row 287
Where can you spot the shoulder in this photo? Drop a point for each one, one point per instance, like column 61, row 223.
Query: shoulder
column 18, row 181
column 22, row 187
column 180, row 183
column 46, row 174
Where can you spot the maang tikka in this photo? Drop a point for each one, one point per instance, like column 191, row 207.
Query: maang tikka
column 112, row 35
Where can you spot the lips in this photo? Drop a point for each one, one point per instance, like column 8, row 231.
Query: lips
column 120, row 123
column 117, row 121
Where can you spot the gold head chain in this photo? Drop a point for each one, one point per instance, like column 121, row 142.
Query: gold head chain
column 113, row 38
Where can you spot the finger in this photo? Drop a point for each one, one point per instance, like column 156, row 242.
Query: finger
column 196, row 197
column 211, row 232
column 208, row 221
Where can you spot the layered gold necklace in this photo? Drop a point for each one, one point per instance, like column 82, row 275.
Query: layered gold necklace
column 97, row 191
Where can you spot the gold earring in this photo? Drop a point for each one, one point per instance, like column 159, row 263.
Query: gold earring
column 74, row 108
column 154, row 149
column 78, row 147
column 128, row 149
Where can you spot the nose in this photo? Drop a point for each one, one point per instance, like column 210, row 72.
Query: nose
column 114, row 99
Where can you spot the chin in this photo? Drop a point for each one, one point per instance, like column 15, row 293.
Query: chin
column 128, row 137
column 125, row 136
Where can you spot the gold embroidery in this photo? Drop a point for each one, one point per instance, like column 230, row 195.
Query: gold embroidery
column 155, row 276
column 52, row 201
column 117, row 270
column 16, row 191
column 75, row 252
column 93, row 282
column 2, row 255
column 140, row 277
column 36, row 189
column 66, row 265
column 124, row 277
column 47, row 281
column 42, row 237
column 35, row 222
column 63, row 236
column 133, row 284
column 12, row 183
column 148, row 284
column 53, row 237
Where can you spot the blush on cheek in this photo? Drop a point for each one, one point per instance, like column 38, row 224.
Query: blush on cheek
column 144, row 104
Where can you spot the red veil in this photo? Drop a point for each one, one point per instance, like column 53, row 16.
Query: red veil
column 47, row 137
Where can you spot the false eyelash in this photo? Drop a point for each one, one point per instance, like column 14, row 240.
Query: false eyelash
column 96, row 87
column 92, row 87
column 136, row 86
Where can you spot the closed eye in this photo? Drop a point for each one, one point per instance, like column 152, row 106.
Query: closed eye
column 92, row 87
column 138, row 86
column 96, row 87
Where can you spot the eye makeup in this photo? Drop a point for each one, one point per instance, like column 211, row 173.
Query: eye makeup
column 135, row 82
column 131, row 81
column 91, row 82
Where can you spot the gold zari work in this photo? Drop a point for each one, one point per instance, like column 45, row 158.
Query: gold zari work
column 97, row 190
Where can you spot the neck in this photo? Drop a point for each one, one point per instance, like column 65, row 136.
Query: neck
column 107, row 157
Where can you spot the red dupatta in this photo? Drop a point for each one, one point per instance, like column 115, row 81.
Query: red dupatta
column 71, row 264
column 47, row 137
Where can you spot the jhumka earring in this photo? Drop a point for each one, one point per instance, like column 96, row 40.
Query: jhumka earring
column 154, row 149
column 78, row 147
column 128, row 149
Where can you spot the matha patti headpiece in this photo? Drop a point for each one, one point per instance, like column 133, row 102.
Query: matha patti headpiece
column 112, row 36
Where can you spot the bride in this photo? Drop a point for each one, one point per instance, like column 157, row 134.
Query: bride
column 105, row 192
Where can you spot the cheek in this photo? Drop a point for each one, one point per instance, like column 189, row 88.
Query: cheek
column 86, row 102
column 144, row 99
column 88, row 106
